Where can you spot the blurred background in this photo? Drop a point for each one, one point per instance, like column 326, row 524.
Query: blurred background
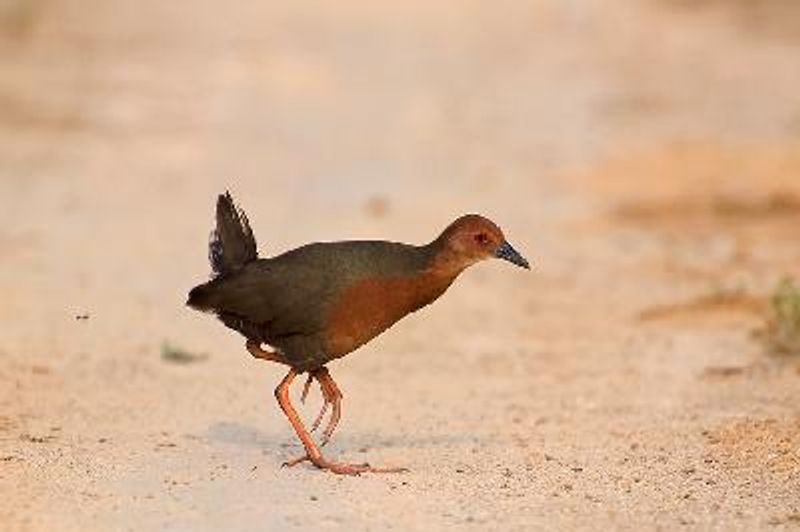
column 644, row 155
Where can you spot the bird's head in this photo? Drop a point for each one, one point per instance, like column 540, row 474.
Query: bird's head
column 472, row 238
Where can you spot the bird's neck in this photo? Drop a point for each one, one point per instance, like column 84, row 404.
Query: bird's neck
column 442, row 265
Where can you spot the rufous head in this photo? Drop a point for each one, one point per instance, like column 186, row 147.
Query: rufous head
column 472, row 238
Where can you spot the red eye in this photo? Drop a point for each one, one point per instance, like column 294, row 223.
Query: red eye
column 482, row 238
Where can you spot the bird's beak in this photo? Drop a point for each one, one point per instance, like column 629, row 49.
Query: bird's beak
column 506, row 252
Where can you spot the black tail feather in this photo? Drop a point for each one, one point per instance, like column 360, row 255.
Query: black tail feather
column 232, row 244
column 200, row 297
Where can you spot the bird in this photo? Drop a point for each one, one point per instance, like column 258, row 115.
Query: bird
column 321, row 301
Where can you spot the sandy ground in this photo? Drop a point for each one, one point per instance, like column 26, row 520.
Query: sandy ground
column 645, row 155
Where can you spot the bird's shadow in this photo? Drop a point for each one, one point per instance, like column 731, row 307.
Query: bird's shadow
column 234, row 433
column 277, row 441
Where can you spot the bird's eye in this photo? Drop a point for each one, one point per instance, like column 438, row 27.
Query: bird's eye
column 482, row 238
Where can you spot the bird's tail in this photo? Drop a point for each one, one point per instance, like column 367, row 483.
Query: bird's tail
column 231, row 244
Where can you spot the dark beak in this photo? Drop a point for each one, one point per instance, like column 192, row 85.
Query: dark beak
column 506, row 252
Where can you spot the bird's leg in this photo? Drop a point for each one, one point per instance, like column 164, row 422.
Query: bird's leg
column 321, row 414
column 332, row 395
column 312, row 451
column 325, row 404
column 330, row 392
column 306, row 388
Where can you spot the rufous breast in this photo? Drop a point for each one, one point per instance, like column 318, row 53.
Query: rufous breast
column 372, row 305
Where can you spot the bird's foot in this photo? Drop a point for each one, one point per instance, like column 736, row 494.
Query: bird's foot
column 341, row 468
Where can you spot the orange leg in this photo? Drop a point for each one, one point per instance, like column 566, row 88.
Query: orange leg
column 331, row 396
column 312, row 451
column 330, row 392
column 325, row 403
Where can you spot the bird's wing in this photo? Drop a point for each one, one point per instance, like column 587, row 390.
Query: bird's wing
column 292, row 293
